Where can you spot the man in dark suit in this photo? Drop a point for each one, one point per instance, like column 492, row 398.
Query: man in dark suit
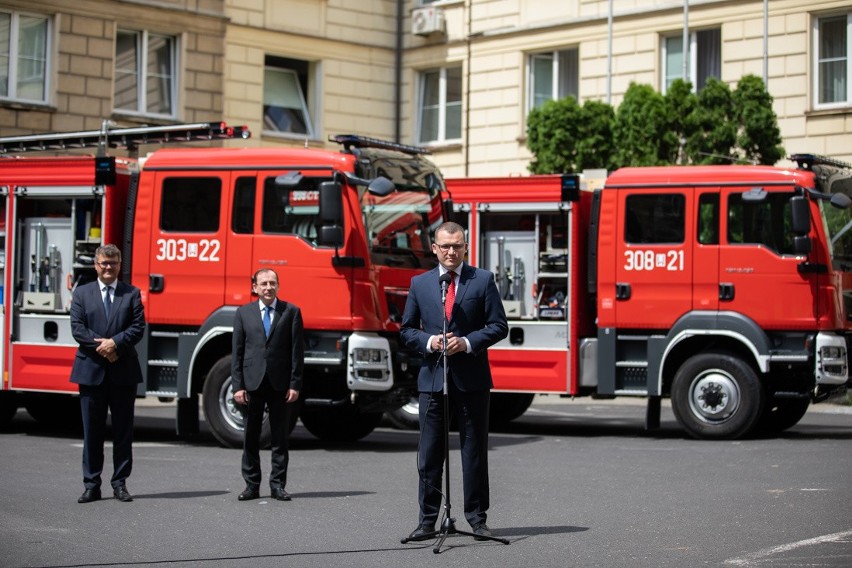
column 266, row 371
column 107, row 321
column 476, row 321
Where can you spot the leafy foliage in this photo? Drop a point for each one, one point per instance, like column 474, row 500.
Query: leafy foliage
column 759, row 137
column 715, row 126
column 639, row 125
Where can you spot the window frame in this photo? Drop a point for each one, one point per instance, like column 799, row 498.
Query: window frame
column 442, row 106
column 693, row 54
column 142, row 41
column 816, row 60
column 555, row 57
column 13, row 54
column 308, row 93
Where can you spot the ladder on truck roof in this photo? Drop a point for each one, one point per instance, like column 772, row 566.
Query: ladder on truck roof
column 128, row 138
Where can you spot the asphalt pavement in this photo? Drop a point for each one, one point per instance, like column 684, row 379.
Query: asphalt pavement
column 574, row 483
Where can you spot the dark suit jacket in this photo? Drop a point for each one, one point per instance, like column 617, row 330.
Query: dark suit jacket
column 126, row 326
column 478, row 315
column 281, row 357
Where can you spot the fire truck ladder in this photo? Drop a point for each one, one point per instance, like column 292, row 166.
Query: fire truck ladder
column 128, row 138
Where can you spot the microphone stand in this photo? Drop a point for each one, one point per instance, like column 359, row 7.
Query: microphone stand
column 448, row 526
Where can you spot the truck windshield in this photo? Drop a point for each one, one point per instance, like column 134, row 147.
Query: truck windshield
column 838, row 227
column 399, row 227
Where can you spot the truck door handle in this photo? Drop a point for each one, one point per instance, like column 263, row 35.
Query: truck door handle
column 156, row 283
column 726, row 291
column 622, row 291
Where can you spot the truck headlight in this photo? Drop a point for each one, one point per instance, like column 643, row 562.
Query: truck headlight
column 369, row 366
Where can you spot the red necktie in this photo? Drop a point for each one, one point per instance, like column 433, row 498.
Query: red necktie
column 451, row 296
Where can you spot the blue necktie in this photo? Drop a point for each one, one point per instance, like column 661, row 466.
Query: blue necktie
column 107, row 301
column 267, row 319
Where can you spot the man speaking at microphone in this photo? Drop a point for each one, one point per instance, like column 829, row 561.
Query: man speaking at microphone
column 476, row 320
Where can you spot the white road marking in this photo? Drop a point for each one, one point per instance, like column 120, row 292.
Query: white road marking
column 756, row 557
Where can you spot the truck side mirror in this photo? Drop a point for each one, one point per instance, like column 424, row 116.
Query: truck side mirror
column 330, row 232
column 801, row 214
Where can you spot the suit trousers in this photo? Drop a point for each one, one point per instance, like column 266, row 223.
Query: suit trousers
column 276, row 402
column 471, row 411
column 95, row 401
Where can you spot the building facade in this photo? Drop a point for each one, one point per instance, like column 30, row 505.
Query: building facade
column 67, row 66
column 458, row 76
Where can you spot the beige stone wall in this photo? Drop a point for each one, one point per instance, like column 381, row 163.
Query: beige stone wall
column 351, row 45
column 505, row 32
column 84, row 51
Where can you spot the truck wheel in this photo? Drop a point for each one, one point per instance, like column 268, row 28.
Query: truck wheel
column 505, row 407
column 716, row 396
column 407, row 416
column 225, row 417
column 782, row 414
column 55, row 410
column 8, row 407
column 342, row 424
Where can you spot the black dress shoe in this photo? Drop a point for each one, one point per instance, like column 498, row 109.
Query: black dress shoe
column 122, row 494
column 280, row 494
column 248, row 494
column 422, row 532
column 89, row 495
column 481, row 531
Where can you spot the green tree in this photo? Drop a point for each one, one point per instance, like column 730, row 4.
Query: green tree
column 640, row 124
column 712, row 126
column 758, row 138
column 552, row 132
column 680, row 104
column 566, row 137
column 595, row 144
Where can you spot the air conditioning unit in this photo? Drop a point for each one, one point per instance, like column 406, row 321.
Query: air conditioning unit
column 427, row 21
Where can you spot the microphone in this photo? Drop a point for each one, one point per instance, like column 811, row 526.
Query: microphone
column 445, row 280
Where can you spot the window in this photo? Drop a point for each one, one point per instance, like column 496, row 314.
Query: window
column 767, row 222
column 705, row 58
column 440, row 105
column 24, row 45
column 553, row 76
column 291, row 210
column 654, row 219
column 242, row 221
column 191, row 205
column 708, row 219
column 145, row 73
column 833, row 66
column 285, row 108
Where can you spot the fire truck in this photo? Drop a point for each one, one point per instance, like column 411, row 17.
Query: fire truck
column 727, row 289
column 345, row 230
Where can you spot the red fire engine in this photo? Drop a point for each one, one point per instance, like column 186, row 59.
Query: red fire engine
column 726, row 288
column 345, row 231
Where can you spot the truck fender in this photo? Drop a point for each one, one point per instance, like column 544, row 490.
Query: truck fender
column 733, row 325
column 220, row 322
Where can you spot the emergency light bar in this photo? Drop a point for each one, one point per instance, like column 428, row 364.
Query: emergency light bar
column 350, row 140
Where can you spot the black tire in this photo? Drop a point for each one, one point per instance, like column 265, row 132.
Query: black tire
column 340, row 424
column 225, row 417
column 717, row 396
column 56, row 411
column 779, row 415
column 8, row 407
column 506, row 406
column 406, row 417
